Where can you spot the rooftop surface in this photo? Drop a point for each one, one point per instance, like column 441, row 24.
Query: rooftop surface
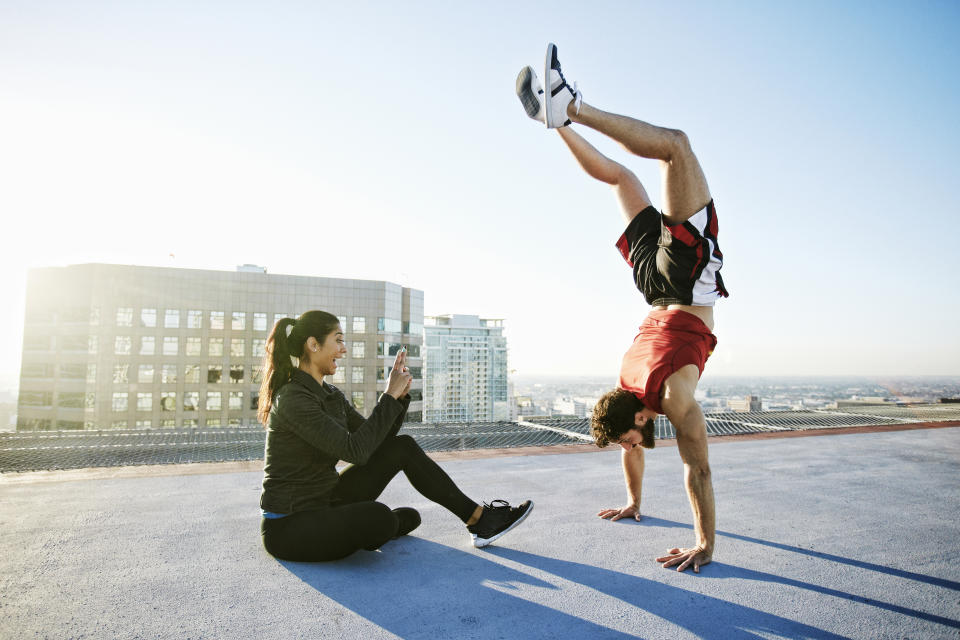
column 846, row 535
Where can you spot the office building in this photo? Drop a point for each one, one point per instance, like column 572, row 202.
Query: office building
column 112, row 346
column 745, row 404
column 465, row 369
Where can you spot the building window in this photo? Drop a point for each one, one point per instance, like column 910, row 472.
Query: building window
column 36, row 398
column 148, row 345
column 190, row 422
column 168, row 401
column 191, row 400
column 254, row 400
column 393, row 348
column 168, row 423
column 413, row 351
column 389, row 325
column 259, row 347
column 236, row 401
column 259, row 322
column 168, row 374
column 73, row 343
column 171, row 345
column 148, row 317
column 92, row 345
column 238, row 321
column 237, row 347
column 119, row 424
column 121, row 345
column 145, row 375
column 143, row 424
column 71, row 400
column 194, row 319
column 213, row 422
column 36, row 343
column 144, row 402
column 120, row 373
column 357, row 398
column 213, row 402
column 381, row 375
column 236, row 373
column 40, row 371
column 171, row 319
column 125, row 317
column 340, row 376
column 359, row 324
column 357, row 349
column 216, row 347
column 277, row 317
column 343, row 322
column 191, row 374
column 214, row 373
column 193, row 347
column 72, row 371
column 119, row 401
column 91, row 372
column 216, row 319
column 356, row 375
column 94, row 316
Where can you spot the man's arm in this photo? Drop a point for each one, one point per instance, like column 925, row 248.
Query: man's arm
column 632, row 460
column 687, row 418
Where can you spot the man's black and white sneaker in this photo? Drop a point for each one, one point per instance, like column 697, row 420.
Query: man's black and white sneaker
column 497, row 519
column 530, row 93
column 559, row 93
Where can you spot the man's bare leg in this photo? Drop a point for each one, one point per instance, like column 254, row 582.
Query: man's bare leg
column 630, row 193
column 685, row 189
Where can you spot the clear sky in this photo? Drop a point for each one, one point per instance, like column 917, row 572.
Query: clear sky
column 385, row 141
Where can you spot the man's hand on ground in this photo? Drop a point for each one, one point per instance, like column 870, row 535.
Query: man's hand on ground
column 613, row 515
column 686, row 557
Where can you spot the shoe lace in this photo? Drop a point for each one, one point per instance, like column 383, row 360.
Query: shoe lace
column 497, row 504
column 577, row 97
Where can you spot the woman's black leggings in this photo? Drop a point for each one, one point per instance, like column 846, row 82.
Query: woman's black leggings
column 353, row 520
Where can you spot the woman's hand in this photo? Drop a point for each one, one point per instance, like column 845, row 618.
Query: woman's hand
column 399, row 383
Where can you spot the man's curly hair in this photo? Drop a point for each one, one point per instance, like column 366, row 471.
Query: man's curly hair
column 614, row 415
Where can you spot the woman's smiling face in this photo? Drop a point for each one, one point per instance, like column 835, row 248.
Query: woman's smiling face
column 324, row 355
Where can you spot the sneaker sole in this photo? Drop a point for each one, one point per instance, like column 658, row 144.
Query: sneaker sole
column 527, row 94
column 547, row 97
column 480, row 543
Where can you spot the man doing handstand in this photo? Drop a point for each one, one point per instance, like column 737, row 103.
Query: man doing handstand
column 676, row 265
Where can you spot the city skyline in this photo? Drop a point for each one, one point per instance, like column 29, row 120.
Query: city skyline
column 385, row 142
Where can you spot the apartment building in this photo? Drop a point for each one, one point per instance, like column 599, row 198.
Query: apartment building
column 465, row 369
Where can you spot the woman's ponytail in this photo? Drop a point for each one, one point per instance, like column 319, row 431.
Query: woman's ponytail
column 277, row 367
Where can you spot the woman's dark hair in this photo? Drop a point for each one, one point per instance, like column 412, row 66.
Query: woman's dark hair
column 277, row 366
column 614, row 415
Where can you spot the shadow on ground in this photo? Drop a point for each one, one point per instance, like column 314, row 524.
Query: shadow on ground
column 468, row 594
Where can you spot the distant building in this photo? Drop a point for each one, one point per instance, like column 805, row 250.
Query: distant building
column 465, row 369
column 570, row 406
column 111, row 346
column 747, row 403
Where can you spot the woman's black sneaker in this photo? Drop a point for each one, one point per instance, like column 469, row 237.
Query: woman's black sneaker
column 498, row 518
column 409, row 520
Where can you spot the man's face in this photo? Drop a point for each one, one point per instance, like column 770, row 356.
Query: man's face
column 631, row 439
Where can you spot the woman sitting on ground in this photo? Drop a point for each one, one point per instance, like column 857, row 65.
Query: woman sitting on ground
column 310, row 512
